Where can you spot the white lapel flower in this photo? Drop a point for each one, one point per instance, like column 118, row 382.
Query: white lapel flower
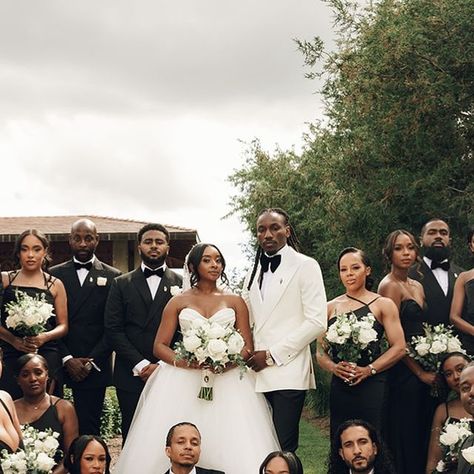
column 175, row 290
column 468, row 455
column 101, row 281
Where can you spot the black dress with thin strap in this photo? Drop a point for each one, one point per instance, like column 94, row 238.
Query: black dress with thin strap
column 50, row 419
column 4, row 445
column 49, row 350
column 468, row 315
column 410, row 403
column 366, row 400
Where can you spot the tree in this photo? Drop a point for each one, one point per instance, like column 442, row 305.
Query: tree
column 397, row 144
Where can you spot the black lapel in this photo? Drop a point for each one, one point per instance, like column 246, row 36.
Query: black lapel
column 139, row 280
column 431, row 280
column 84, row 291
column 162, row 296
column 451, row 282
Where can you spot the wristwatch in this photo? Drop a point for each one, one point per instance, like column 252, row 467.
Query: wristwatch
column 373, row 370
column 269, row 359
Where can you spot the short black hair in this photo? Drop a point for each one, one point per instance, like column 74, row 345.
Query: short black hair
column 169, row 436
column 433, row 219
column 369, row 281
column 72, row 461
column 293, row 461
column 24, row 359
column 153, row 226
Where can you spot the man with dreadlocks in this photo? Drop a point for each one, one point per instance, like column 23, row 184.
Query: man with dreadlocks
column 287, row 302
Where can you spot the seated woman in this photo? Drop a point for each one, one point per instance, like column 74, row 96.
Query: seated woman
column 462, row 307
column 447, row 412
column 281, row 462
column 88, row 454
column 39, row 409
column 31, row 258
column 10, row 432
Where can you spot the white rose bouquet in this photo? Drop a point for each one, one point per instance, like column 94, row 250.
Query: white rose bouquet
column 28, row 315
column 451, row 438
column 37, row 457
column 348, row 337
column 212, row 346
column 429, row 349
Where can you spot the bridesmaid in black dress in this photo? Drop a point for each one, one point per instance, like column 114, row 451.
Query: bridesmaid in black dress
column 462, row 306
column 31, row 256
column 410, row 404
column 360, row 391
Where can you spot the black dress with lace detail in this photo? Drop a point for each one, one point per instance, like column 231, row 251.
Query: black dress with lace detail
column 366, row 400
column 49, row 350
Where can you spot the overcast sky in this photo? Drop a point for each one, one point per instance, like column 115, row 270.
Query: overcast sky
column 136, row 109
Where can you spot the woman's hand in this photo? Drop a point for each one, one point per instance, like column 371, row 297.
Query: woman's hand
column 23, row 345
column 429, row 378
column 345, row 371
column 36, row 341
column 361, row 373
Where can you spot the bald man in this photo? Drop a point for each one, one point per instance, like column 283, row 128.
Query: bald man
column 85, row 352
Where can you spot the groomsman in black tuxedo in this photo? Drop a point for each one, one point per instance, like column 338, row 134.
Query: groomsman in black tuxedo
column 466, row 384
column 85, row 352
column 183, row 447
column 438, row 272
column 133, row 314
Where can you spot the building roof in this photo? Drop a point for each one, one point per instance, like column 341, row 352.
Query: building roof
column 59, row 227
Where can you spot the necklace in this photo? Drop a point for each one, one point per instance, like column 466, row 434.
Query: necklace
column 35, row 407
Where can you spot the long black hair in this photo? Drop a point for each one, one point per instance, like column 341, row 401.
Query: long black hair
column 336, row 464
column 72, row 461
column 292, row 240
column 293, row 461
column 44, row 242
column 194, row 259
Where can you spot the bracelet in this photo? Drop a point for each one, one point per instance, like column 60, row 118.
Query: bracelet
column 174, row 362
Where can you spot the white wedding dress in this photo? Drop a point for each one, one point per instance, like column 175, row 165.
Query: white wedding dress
column 236, row 426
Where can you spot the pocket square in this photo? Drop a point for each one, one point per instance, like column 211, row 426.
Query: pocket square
column 101, row 281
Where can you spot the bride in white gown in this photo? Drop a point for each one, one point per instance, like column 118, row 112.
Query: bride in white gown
column 236, row 426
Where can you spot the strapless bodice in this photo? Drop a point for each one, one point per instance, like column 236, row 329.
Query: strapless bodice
column 190, row 318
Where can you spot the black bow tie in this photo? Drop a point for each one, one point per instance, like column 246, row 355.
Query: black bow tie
column 444, row 265
column 270, row 262
column 79, row 265
column 157, row 271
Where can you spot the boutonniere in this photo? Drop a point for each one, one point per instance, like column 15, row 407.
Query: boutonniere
column 175, row 290
column 468, row 455
column 101, row 281
column 455, row 275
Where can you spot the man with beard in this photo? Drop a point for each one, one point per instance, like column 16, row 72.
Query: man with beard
column 133, row 314
column 438, row 274
column 87, row 358
column 183, row 447
column 356, row 448
column 466, row 385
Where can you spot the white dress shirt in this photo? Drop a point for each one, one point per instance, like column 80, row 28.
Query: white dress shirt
column 440, row 275
column 83, row 272
column 269, row 277
column 192, row 471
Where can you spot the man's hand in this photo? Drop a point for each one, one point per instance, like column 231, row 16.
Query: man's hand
column 77, row 368
column 257, row 361
column 147, row 371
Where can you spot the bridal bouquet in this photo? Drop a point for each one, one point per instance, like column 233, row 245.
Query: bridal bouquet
column 348, row 336
column 211, row 345
column 37, row 457
column 28, row 315
column 451, row 438
column 429, row 349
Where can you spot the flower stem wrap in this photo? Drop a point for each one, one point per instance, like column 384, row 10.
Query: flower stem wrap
column 207, row 383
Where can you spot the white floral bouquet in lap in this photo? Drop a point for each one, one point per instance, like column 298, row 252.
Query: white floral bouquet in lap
column 37, row 457
column 348, row 337
column 213, row 346
column 450, row 439
column 430, row 349
column 28, row 315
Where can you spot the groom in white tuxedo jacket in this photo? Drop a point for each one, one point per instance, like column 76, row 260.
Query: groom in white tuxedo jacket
column 287, row 303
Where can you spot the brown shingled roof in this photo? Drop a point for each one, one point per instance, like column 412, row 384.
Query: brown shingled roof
column 61, row 225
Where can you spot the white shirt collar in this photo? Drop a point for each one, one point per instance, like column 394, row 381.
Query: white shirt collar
column 143, row 266
column 193, row 471
column 282, row 251
column 371, row 471
column 92, row 260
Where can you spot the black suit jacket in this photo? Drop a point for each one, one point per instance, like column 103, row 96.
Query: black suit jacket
column 200, row 470
column 86, row 305
column 438, row 303
column 132, row 318
column 463, row 466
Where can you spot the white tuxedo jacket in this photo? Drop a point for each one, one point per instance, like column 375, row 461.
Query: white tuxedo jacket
column 292, row 315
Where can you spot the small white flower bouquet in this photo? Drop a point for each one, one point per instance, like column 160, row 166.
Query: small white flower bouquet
column 468, row 455
column 429, row 349
column 348, row 337
column 37, row 457
column 211, row 345
column 28, row 315
column 451, row 438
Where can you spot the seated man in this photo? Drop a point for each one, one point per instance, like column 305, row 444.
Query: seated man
column 356, row 448
column 183, row 447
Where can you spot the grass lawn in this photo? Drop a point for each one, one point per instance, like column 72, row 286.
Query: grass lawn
column 313, row 448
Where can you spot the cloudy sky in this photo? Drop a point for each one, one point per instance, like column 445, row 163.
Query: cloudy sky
column 137, row 109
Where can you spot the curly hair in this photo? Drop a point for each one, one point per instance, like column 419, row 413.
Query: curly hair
column 337, row 465
column 44, row 242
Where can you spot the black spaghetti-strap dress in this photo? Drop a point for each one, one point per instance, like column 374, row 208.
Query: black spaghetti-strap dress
column 4, row 445
column 366, row 400
column 468, row 315
column 50, row 350
column 410, row 403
